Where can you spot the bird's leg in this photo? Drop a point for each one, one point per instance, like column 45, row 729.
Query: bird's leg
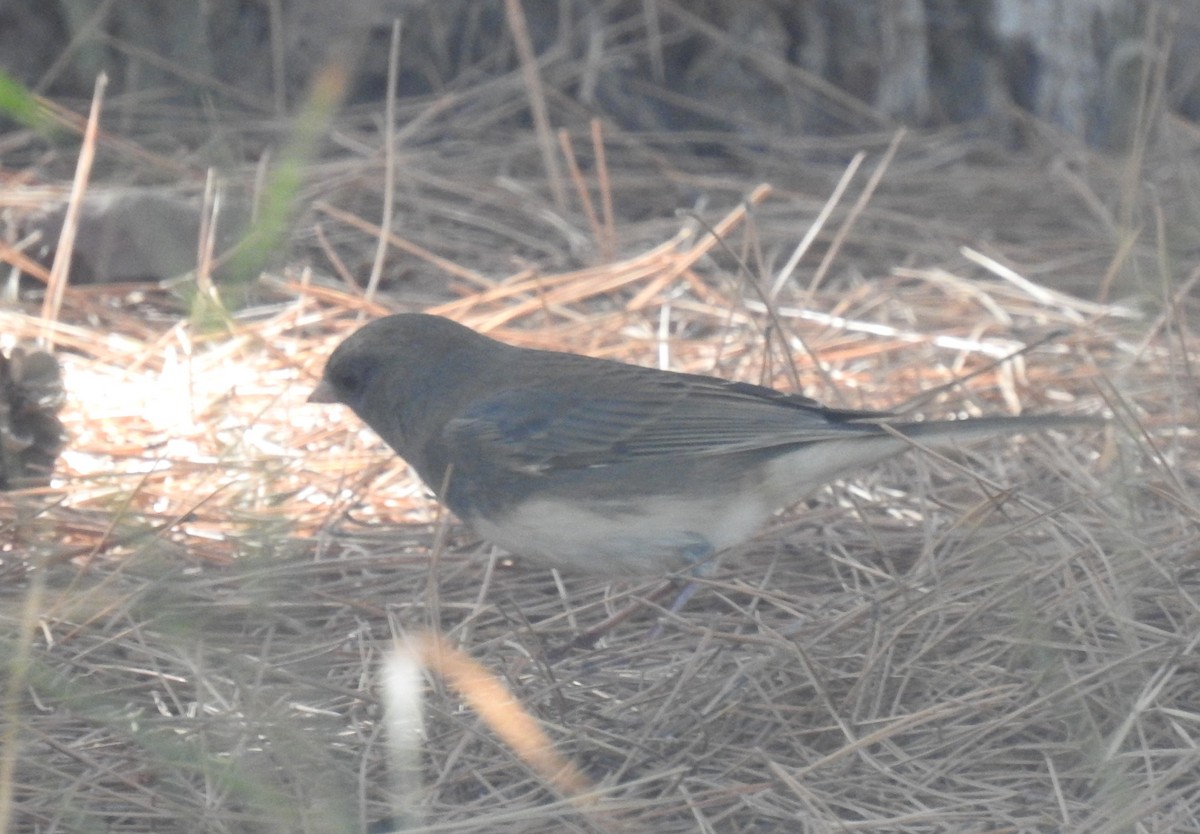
column 588, row 639
column 701, row 558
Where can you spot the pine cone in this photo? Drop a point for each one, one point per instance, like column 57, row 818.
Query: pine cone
column 31, row 435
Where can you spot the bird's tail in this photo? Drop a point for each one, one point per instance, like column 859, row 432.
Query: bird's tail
column 941, row 432
column 813, row 464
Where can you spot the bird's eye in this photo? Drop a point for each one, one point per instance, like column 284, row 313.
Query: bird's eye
column 349, row 380
column 353, row 378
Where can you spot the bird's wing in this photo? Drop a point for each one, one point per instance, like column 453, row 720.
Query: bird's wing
column 536, row 428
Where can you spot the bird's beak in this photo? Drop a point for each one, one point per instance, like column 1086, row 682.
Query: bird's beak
column 323, row 393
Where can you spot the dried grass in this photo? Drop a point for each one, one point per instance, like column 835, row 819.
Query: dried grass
column 1005, row 640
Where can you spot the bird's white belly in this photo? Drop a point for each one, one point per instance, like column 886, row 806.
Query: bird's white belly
column 651, row 535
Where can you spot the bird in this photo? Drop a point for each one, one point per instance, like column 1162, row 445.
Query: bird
column 598, row 466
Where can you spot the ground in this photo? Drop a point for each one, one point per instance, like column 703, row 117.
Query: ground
column 197, row 607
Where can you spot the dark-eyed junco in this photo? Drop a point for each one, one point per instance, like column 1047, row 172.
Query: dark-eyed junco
column 591, row 464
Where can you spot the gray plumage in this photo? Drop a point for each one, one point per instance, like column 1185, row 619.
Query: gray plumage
column 597, row 465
